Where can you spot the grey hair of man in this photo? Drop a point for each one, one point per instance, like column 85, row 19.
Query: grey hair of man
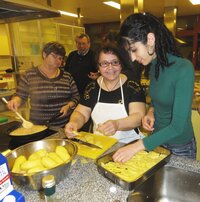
column 82, row 35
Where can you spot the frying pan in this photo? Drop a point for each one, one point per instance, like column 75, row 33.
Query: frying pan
column 34, row 136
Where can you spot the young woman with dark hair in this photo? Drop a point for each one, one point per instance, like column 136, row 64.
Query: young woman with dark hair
column 168, row 119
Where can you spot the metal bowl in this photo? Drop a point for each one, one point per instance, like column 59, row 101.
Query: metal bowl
column 34, row 181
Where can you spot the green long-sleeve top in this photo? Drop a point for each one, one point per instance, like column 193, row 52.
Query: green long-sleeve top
column 171, row 96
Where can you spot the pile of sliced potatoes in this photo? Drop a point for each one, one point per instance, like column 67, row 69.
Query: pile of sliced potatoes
column 41, row 160
column 135, row 167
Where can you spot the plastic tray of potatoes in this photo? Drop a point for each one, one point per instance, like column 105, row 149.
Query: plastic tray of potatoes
column 135, row 171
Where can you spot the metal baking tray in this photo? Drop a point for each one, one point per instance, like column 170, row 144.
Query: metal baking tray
column 130, row 185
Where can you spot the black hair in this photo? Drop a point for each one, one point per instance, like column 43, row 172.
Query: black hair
column 82, row 35
column 109, row 48
column 136, row 28
column 54, row 47
column 110, row 37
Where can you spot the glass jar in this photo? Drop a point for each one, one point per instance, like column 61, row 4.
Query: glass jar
column 49, row 186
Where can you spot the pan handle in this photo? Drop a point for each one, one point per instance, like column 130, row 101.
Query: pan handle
column 54, row 117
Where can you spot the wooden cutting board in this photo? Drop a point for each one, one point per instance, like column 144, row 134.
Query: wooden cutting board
column 104, row 142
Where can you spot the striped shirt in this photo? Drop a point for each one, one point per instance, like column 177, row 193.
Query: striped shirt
column 47, row 96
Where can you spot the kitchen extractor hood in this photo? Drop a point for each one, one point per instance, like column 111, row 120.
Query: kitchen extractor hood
column 19, row 10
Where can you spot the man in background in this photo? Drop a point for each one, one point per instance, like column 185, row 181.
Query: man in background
column 81, row 63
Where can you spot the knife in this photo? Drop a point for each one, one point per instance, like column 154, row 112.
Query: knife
column 81, row 141
column 85, row 143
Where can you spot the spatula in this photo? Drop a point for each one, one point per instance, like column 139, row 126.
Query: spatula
column 25, row 123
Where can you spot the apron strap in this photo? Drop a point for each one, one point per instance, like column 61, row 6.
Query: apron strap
column 122, row 93
column 99, row 90
column 121, row 88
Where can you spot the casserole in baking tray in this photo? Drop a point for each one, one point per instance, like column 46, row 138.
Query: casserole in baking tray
column 135, row 171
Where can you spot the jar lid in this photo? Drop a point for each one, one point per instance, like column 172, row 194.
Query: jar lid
column 48, row 181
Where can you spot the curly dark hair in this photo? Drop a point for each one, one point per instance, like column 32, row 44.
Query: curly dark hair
column 136, row 28
column 109, row 48
column 54, row 47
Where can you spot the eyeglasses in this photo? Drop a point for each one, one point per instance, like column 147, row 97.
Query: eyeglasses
column 105, row 64
column 57, row 57
column 81, row 43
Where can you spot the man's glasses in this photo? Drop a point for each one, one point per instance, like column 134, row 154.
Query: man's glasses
column 105, row 64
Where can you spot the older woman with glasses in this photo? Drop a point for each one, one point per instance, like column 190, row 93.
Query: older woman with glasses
column 50, row 89
column 115, row 103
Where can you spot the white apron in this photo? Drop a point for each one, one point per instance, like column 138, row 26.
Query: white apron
column 103, row 112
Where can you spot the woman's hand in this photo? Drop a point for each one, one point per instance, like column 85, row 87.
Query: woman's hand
column 148, row 121
column 108, row 128
column 66, row 108
column 14, row 103
column 126, row 153
column 93, row 75
column 69, row 128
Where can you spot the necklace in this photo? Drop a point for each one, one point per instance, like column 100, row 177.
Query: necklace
column 50, row 77
column 111, row 89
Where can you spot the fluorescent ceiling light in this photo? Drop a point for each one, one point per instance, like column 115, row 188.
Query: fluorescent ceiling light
column 195, row 2
column 69, row 14
column 112, row 3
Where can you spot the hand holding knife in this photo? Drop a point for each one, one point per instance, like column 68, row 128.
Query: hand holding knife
column 78, row 134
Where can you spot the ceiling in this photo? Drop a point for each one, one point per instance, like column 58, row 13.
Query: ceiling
column 94, row 11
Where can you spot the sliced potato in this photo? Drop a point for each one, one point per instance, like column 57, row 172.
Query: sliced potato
column 62, row 153
column 54, row 156
column 41, row 160
column 18, row 161
column 30, row 164
column 36, row 169
column 42, row 152
column 48, row 162
column 34, row 156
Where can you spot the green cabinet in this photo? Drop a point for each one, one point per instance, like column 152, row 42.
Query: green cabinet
column 30, row 36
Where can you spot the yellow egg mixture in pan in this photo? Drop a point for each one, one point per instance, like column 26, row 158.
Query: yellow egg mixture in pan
column 28, row 131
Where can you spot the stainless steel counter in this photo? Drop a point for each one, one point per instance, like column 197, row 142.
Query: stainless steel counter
column 85, row 184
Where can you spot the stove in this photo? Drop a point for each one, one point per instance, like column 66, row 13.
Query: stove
column 7, row 142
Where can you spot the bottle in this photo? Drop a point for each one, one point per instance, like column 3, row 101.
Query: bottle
column 49, row 185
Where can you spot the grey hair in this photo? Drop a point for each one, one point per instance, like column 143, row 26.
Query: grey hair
column 82, row 35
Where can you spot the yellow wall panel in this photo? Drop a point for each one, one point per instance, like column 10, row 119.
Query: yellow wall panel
column 4, row 40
